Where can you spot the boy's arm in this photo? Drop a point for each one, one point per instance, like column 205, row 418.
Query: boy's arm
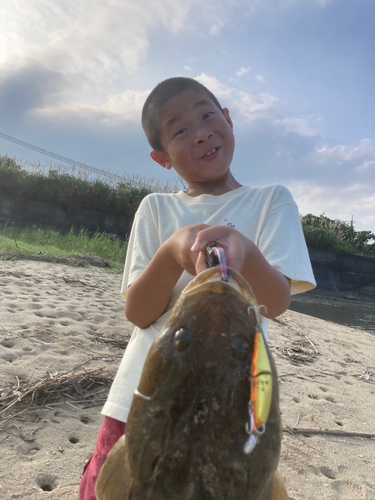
column 149, row 294
column 271, row 288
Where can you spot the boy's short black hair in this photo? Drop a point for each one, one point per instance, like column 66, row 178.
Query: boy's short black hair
column 159, row 97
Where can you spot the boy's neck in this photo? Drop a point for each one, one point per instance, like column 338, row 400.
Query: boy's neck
column 215, row 188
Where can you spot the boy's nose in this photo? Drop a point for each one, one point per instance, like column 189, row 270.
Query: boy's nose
column 203, row 136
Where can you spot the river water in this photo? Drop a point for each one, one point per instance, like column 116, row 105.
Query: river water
column 343, row 312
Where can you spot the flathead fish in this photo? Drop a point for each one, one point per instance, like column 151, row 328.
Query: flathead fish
column 204, row 422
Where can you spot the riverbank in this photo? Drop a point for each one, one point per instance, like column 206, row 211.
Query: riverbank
column 62, row 335
column 353, row 310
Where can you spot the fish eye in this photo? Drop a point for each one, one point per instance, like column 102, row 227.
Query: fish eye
column 182, row 339
column 240, row 348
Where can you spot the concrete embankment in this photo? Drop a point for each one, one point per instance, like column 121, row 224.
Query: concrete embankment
column 342, row 275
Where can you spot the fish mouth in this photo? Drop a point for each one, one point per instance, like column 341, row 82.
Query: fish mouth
column 212, row 277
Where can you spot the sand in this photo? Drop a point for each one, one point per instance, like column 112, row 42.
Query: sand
column 62, row 334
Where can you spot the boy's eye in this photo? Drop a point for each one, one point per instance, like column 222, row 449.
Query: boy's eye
column 181, row 131
column 207, row 115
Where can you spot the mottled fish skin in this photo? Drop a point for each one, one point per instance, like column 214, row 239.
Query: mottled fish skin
column 186, row 429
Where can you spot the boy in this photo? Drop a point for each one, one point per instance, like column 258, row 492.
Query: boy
column 259, row 228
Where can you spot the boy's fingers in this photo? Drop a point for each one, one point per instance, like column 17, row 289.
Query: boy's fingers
column 201, row 263
column 197, row 247
column 208, row 235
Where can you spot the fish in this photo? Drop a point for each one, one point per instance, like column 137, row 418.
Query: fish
column 204, row 423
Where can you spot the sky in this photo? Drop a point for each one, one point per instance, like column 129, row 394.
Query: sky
column 298, row 77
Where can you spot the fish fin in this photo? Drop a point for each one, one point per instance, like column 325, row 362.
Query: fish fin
column 112, row 482
column 278, row 488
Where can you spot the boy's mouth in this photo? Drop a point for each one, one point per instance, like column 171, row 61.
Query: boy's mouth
column 211, row 153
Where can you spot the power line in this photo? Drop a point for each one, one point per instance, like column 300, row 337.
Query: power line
column 88, row 167
column 62, row 158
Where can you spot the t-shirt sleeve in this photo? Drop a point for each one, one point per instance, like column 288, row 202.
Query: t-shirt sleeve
column 282, row 241
column 142, row 245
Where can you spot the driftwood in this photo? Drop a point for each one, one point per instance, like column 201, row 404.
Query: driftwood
column 79, row 387
column 327, row 432
column 302, row 351
column 115, row 341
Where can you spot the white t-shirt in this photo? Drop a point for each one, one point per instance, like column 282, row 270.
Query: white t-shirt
column 268, row 216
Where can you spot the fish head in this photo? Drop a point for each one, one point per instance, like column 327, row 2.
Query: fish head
column 189, row 419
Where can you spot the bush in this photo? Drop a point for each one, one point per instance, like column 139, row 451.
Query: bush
column 322, row 232
column 68, row 191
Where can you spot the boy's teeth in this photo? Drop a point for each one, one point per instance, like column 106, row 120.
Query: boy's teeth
column 211, row 152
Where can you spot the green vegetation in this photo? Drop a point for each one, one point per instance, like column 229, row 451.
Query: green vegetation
column 73, row 191
column 48, row 243
column 70, row 192
column 328, row 234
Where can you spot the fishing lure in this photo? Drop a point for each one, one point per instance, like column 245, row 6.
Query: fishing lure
column 261, row 389
column 215, row 256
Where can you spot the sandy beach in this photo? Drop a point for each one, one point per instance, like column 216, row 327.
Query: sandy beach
column 62, row 335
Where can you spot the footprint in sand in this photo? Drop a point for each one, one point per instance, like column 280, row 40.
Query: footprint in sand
column 10, row 305
column 347, row 489
column 47, row 482
column 35, row 307
column 331, row 399
column 328, row 472
column 313, row 396
column 34, row 450
column 7, row 343
column 9, row 358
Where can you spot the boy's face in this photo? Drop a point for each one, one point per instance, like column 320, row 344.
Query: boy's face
column 197, row 138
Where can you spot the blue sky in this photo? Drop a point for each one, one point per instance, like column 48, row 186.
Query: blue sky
column 298, row 77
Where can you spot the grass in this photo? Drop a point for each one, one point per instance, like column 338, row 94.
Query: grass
column 74, row 190
column 340, row 236
column 49, row 243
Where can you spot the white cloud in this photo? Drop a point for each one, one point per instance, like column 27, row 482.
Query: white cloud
column 356, row 200
column 188, row 68
column 360, row 157
column 108, row 40
column 117, row 110
column 342, row 187
column 95, row 51
column 216, row 29
column 243, row 71
column 300, row 125
column 244, row 104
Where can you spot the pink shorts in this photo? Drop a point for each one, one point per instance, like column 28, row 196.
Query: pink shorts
column 109, row 434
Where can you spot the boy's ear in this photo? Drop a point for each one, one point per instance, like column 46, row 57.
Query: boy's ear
column 160, row 158
column 227, row 117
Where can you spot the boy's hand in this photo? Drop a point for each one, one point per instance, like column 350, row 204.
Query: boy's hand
column 149, row 294
column 235, row 244
column 180, row 246
column 271, row 288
